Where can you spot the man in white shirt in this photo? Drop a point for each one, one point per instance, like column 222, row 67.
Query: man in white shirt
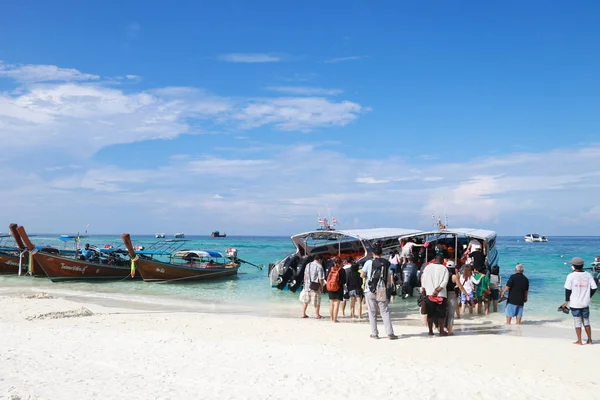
column 579, row 289
column 314, row 279
column 433, row 284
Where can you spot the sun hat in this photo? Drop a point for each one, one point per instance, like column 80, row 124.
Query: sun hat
column 577, row 261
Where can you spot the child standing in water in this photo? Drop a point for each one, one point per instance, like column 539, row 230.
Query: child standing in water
column 468, row 281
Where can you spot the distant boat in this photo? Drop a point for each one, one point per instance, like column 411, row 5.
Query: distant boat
column 217, row 234
column 160, row 235
column 179, row 235
column 534, row 237
column 66, row 238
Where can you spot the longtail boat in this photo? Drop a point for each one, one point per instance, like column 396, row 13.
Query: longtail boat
column 13, row 259
column 183, row 265
column 109, row 266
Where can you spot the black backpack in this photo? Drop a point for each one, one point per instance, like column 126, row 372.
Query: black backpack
column 379, row 271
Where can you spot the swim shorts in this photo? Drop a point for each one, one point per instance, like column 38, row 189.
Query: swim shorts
column 514, row 311
column 581, row 316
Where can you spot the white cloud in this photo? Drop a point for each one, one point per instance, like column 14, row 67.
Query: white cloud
column 305, row 91
column 249, row 58
column 282, row 192
column 48, row 132
column 342, row 59
column 43, row 73
column 301, row 114
column 370, row 181
column 98, row 115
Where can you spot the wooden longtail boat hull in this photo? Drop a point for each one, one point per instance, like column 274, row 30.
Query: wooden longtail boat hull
column 9, row 264
column 68, row 269
column 156, row 271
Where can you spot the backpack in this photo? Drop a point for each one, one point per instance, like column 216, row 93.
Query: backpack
column 333, row 280
column 379, row 274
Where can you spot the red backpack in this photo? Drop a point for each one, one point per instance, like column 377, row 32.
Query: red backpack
column 333, row 280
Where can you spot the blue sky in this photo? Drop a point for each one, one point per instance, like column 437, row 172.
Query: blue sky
column 252, row 117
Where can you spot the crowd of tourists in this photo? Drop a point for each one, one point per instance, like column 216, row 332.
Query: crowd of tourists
column 450, row 285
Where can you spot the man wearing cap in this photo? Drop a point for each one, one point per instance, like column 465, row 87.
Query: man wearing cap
column 518, row 290
column 579, row 289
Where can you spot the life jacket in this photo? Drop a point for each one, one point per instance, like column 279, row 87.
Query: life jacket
column 333, row 280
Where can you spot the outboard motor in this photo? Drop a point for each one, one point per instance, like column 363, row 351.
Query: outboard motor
column 409, row 278
column 288, row 270
column 298, row 277
column 232, row 253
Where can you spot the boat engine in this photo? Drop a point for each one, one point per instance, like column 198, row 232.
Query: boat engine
column 232, row 253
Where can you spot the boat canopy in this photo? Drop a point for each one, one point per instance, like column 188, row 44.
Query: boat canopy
column 352, row 242
column 468, row 232
column 363, row 234
column 198, row 254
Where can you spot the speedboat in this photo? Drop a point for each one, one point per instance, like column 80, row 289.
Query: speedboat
column 357, row 243
column 455, row 243
column 534, row 237
column 160, row 235
column 179, row 235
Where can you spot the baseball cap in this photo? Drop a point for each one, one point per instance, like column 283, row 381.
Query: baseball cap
column 577, row 261
column 450, row 264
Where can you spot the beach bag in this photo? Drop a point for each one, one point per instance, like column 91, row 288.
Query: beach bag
column 304, row 296
column 381, row 291
column 333, row 280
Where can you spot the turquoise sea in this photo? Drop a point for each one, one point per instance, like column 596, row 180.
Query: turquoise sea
column 544, row 266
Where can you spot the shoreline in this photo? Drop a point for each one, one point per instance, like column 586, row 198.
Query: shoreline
column 494, row 323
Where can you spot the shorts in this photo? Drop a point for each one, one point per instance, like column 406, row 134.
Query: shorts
column 513, row 310
column 435, row 310
column 495, row 294
column 339, row 295
column 581, row 316
column 464, row 300
column 483, row 299
column 314, row 297
column 354, row 293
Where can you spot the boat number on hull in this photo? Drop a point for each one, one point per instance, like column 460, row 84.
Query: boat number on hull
column 161, row 270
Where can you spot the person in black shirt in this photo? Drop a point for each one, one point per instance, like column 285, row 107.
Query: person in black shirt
column 518, row 290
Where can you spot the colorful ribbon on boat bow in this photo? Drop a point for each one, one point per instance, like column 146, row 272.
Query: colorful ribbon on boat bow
column 133, row 260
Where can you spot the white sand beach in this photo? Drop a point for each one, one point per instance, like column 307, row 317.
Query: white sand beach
column 140, row 351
